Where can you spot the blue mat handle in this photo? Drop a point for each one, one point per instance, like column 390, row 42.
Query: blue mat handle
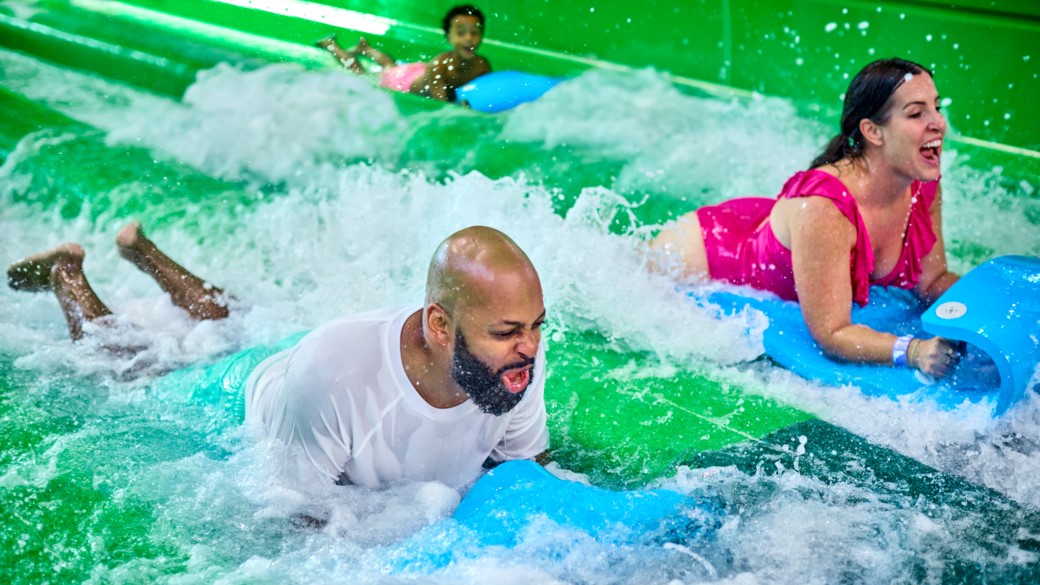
column 996, row 307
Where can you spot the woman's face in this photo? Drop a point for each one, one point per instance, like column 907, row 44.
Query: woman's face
column 912, row 136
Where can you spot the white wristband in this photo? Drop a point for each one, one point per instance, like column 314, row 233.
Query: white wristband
column 899, row 351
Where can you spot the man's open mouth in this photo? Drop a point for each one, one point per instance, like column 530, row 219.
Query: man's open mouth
column 516, row 379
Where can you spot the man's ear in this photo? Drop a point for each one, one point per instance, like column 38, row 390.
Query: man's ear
column 871, row 132
column 438, row 324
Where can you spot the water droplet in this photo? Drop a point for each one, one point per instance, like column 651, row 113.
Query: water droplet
column 863, row 25
column 928, row 38
column 830, row 26
column 1007, row 115
column 799, row 61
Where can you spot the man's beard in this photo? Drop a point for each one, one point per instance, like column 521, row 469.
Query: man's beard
column 484, row 386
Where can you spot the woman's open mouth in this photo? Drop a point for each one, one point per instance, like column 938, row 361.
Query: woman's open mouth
column 932, row 151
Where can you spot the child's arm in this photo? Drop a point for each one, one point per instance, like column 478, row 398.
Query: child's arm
column 446, row 73
column 438, row 77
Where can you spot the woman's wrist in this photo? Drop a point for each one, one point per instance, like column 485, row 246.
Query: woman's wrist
column 911, row 353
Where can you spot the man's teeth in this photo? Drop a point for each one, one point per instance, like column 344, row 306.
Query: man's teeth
column 933, row 144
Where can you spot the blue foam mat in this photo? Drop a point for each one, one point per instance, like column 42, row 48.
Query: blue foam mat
column 501, row 90
column 1002, row 328
column 518, row 496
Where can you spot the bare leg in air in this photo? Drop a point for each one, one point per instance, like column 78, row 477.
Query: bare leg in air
column 60, row 270
column 348, row 57
column 196, row 296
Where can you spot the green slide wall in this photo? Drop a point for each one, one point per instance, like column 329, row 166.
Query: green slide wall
column 985, row 53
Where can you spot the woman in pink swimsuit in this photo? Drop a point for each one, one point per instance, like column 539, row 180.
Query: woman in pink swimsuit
column 867, row 212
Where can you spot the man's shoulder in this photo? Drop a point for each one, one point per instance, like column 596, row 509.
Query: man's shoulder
column 349, row 335
column 359, row 322
column 345, row 353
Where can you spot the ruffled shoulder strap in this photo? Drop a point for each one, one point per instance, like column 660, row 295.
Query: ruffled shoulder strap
column 815, row 182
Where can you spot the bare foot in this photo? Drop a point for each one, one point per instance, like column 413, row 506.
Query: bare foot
column 35, row 273
column 129, row 241
column 201, row 299
column 327, row 43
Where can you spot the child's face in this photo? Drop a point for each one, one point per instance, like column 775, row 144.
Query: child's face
column 465, row 35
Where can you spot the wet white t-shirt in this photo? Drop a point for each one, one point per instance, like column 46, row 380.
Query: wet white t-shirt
column 342, row 397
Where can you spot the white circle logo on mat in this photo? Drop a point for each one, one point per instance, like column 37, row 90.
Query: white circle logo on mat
column 951, row 310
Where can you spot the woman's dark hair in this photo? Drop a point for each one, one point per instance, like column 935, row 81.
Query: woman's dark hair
column 868, row 97
column 463, row 10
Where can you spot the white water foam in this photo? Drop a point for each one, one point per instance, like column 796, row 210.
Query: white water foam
column 343, row 238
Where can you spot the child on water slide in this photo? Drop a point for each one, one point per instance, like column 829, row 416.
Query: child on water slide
column 438, row 79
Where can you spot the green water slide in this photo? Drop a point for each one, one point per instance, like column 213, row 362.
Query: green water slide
column 983, row 52
column 621, row 430
column 802, row 50
column 639, row 433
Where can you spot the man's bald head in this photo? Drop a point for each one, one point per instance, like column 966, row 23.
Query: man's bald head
column 472, row 264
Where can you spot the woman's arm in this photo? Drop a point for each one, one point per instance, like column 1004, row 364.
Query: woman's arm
column 935, row 277
column 821, row 244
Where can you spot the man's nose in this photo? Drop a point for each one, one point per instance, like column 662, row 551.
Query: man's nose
column 527, row 346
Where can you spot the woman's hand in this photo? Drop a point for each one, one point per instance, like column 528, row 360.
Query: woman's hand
column 935, row 357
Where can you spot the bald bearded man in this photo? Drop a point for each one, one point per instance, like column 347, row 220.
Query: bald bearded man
column 419, row 394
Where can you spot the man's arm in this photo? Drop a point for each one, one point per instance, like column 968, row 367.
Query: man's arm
column 314, row 412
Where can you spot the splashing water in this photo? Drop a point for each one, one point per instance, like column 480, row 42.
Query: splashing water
column 326, row 200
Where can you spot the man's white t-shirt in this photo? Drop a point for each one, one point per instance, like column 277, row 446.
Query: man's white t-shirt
column 341, row 395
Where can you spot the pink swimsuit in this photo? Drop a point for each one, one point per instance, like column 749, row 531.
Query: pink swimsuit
column 401, row 77
column 742, row 249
